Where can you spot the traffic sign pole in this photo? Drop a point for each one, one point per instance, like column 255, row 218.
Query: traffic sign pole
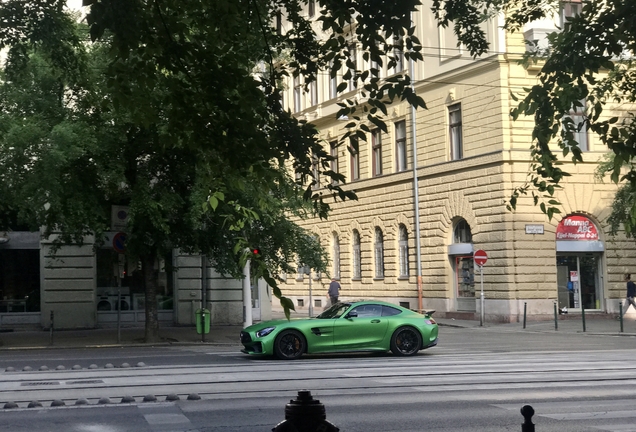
column 480, row 257
column 481, row 314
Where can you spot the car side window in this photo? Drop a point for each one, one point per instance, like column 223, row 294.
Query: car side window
column 368, row 311
column 390, row 311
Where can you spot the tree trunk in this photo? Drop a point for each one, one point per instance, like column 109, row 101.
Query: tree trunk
column 150, row 281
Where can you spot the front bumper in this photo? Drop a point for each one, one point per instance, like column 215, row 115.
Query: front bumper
column 261, row 346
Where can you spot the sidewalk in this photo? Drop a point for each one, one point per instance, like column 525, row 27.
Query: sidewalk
column 229, row 335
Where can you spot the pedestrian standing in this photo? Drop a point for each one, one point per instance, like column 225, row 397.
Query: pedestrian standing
column 334, row 291
column 631, row 293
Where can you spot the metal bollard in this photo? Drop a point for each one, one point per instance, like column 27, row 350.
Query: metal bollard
column 305, row 414
column 527, row 412
column 51, row 329
column 525, row 308
column 620, row 314
column 556, row 318
column 583, row 316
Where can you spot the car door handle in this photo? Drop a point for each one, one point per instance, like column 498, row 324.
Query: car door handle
column 375, row 321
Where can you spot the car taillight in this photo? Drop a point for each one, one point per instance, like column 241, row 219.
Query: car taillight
column 430, row 321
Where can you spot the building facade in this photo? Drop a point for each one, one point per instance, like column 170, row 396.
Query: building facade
column 432, row 191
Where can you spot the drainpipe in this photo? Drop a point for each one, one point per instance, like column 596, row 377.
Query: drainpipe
column 416, row 198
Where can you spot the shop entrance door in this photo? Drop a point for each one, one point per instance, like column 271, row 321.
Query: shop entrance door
column 578, row 281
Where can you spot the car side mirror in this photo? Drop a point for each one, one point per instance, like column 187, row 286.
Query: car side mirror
column 352, row 314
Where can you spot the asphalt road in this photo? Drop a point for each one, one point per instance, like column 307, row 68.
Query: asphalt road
column 475, row 379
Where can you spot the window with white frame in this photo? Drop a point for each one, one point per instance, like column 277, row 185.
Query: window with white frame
column 313, row 93
column 379, row 254
column 354, row 152
column 357, row 256
column 297, row 94
column 400, row 145
column 315, row 170
column 353, row 66
column 455, row 131
column 333, row 148
column 569, row 10
column 336, row 256
column 311, row 8
column 462, row 233
column 398, row 54
column 403, row 245
column 333, row 82
column 376, row 151
column 574, row 126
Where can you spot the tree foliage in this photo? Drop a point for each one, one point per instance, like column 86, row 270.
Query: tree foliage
column 588, row 65
column 174, row 108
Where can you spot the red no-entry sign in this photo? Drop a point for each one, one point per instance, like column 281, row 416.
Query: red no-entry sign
column 480, row 257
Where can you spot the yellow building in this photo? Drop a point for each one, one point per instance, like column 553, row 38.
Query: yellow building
column 451, row 168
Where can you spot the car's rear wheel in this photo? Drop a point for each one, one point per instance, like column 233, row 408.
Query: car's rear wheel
column 289, row 345
column 406, row 341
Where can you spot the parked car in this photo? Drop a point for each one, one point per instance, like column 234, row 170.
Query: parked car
column 368, row 325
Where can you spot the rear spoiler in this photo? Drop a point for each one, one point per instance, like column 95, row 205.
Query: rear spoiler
column 429, row 312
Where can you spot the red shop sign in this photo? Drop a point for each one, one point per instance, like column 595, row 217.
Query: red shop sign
column 576, row 228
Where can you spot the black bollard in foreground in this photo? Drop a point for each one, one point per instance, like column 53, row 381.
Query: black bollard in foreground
column 527, row 412
column 305, row 414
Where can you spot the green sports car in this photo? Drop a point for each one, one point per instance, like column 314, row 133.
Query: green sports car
column 368, row 325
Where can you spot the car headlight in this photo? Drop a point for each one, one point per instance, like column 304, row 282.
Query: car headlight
column 264, row 332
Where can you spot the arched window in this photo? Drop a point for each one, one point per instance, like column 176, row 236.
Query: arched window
column 357, row 269
column 336, row 256
column 379, row 254
column 403, row 245
column 461, row 233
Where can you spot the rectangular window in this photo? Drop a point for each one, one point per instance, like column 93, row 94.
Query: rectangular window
column 353, row 66
column 376, row 149
column 355, row 161
column 574, row 123
column 455, row 131
column 333, row 82
column 315, row 170
column 398, row 54
column 334, row 161
column 465, row 277
column 279, row 23
column 570, row 9
column 311, row 8
column 400, row 145
column 313, row 88
column 297, row 94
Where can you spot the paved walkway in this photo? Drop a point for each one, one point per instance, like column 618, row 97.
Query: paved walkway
column 229, row 335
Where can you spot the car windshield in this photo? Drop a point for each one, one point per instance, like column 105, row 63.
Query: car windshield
column 335, row 311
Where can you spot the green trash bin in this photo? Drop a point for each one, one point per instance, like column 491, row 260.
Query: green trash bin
column 203, row 321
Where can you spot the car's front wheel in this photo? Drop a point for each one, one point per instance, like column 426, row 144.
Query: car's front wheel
column 289, row 345
column 406, row 341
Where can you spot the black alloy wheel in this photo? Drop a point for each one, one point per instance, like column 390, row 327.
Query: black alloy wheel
column 406, row 341
column 289, row 345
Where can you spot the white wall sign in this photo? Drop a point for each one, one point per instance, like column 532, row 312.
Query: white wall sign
column 534, row 229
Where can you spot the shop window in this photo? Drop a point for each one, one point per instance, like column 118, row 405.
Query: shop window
column 465, row 277
column 132, row 291
column 19, row 280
